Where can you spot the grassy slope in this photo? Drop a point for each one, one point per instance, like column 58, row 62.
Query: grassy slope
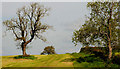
column 42, row 61
column 86, row 64
column 57, row 60
column 90, row 64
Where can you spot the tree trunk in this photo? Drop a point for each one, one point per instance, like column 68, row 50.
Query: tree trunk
column 110, row 34
column 109, row 40
column 24, row 51
column 110, row 51
column 109, row 45
column 24, row 44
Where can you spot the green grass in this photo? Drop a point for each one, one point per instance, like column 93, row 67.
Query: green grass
column 77, row 55
column 90, row 60
column 56, row 60
column 87, row 64
column 41, row 61
column 82, row 60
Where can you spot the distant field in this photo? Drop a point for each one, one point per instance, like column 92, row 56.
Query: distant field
column 56, row 60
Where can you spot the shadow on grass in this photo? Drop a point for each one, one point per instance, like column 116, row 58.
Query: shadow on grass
column 69, row 60
column 90, row 58
column 90, row 61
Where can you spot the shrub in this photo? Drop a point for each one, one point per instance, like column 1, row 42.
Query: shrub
column 93, row 49
column 67, row 53
column 75, row 54
column 25, row 57
column 116, row 59
column 48, row 50
column 100, row 53
column 81, row 59
column 89, row 59
column 117, row 53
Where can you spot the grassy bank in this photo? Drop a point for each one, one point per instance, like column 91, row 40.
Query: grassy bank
column 41, row 61
column 57, row 60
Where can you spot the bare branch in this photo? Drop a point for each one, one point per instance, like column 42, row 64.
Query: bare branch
column 41, row 37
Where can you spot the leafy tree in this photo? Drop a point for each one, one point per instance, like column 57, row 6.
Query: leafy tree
column 101, row 28
column 119, row 23
column 49, row 50
column 28, row 26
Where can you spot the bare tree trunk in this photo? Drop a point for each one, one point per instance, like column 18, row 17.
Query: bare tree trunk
column 24, row 51
column 110, row 47
column 110, row 51
column 109, row 34
column 24, row 44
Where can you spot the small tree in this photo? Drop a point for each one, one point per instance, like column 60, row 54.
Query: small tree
column 28, row 25
column 48, row 50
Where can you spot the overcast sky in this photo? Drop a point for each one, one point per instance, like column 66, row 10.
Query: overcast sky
column 65, row 17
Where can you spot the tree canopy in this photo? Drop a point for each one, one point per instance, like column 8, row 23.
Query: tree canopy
column 101, row 28
column 48, row 50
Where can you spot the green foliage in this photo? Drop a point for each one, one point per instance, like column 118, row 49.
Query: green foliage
column 67, row 53
column 48, row 50
column 102, row 28
column 87, row 65
column 100, row 51
column 25, row 57
column 59, row 60
column 117, row 53
column 96, row 30
column 89, row 59
column 116, row 59
column 77, row 55
column 92, row 49
column 116, row 49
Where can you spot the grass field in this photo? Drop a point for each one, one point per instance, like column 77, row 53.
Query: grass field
column 56, row 60
column 41, row 61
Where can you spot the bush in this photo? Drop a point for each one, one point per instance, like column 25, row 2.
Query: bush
column 75, row 54
column 67, row 53
column 101, row 54
column 89, row 59
column 117, row 53
column 80, row 59
column 116, row 59
column 48, row 50
column 25, row 57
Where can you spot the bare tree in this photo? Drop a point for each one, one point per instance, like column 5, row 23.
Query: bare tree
column 27, row 25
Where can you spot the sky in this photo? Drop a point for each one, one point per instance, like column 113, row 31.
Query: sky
column 65, row 17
